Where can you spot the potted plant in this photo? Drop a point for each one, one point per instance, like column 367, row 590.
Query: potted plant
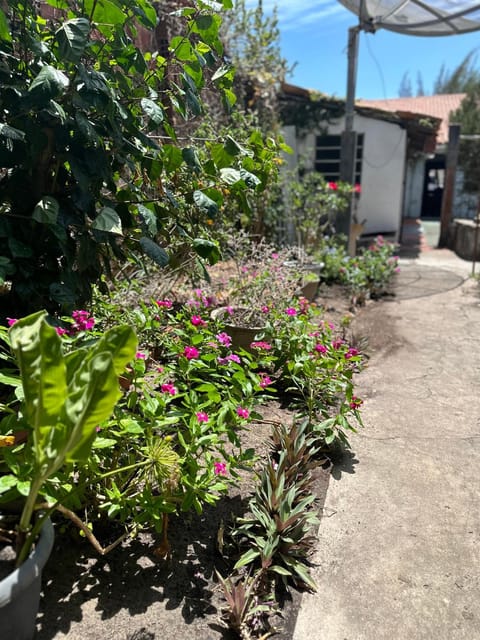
column 63, row 399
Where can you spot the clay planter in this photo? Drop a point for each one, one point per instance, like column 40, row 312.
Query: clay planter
column 20, row 590
column 309, row 290
column 242, row 336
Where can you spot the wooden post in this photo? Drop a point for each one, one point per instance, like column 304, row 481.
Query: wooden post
column 449, row 186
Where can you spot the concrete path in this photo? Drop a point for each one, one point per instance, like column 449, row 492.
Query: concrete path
column 399, row 543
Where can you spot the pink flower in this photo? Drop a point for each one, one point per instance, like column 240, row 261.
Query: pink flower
column 242, row 412
column 261, row 345
column 336, row 344
column 229, row 310
column 168, row 388
column 220, row 468
column 357, row 188
column 140, row 355
column 11, row 321
column 291, row 311
column 265, row 380
column 167, row 304
column 264, row 309
column 197, row 321
column 320, row 348
column 82, row 321
column 355, row 403
column 224, row 339
column 274, row 256
column 202, row 416
column 397, row 269
column 232, row 357
column 351, row 353
column 191, row 353
column 332, row 185
column 60, row 331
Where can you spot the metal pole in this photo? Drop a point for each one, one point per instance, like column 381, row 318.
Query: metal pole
column 349, row 136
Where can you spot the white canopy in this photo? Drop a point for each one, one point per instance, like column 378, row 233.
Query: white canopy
column 417, row 18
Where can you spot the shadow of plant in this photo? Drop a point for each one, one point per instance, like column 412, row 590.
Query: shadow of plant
column 131, row 579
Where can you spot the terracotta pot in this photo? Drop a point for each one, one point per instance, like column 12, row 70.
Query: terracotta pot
column 20, row 591
column 309, row 290
column 242, row 337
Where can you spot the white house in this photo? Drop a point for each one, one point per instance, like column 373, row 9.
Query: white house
column 392, row 145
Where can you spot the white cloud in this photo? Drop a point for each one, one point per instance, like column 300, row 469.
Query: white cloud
column 295, row 14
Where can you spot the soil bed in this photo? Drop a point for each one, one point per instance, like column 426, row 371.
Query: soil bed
column 131, row 594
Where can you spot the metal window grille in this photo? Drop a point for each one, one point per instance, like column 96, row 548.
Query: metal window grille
column 327, row 157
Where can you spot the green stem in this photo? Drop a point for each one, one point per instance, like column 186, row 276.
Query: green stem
column 122, row 469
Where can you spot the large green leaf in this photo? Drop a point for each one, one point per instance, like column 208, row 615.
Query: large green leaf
column 4, row 28
column 121, row 344
column 49, row 83
column 46, row 211
column 72, row 38
column 108, row 220
column 154, row 251
column 38, row 352
column 92, row 394
column 207, row 249
column 153, row 111
column 205, row 203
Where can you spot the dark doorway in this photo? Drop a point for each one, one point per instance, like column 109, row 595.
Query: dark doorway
column 433, row 184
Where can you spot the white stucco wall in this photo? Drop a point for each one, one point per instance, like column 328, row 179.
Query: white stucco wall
column 414, row 187
column 383, row 167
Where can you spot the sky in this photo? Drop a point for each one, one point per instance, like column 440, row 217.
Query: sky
column 314, row 37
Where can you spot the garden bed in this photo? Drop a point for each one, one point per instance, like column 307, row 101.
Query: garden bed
column 131, row 594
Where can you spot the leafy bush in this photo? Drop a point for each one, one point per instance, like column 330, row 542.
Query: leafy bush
column 92, row 167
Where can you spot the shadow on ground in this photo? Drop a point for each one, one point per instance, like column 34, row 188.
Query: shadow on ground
column 130, row 579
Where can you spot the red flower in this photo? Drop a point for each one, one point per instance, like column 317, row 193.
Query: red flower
column 332, row 185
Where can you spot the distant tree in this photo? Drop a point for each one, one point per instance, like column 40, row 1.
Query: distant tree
column 461, row 79
column 468, row 116
column 405, row 88
column 420, row 88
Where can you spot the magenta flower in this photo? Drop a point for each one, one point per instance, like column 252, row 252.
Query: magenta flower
column 60, row 331
column 140, row 355
column 202, row 416
column 274, row 256
column 332, row 185
column 11, row 321
column 261, row 345
column 351, row 353
column 234, row 358
column 167, row 304
column 191, row 353
column 264, row 309
column 224, row 339
column 355, row 402
column 291, row 311
column 265, row 380
column 82, row 321
column 242, row 412
column 197, row 321
column 168, row 388
column 220, row 468
column 357, row 188
column 229, row 310
column 336, row 344
column 320, row 348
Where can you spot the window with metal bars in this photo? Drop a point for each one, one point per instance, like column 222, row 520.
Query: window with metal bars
column 327, row 157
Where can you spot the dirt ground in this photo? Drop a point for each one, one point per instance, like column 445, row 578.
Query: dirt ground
column 130, row 594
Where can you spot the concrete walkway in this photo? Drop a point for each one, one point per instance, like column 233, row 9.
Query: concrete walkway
column 399, row 543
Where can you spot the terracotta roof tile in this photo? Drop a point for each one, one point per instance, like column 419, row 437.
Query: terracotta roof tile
column 439, row 106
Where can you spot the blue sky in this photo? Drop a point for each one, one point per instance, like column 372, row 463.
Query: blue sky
column 314, row 35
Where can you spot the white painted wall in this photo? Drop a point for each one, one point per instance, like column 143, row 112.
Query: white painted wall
column 383, row 168
column 414, row 187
